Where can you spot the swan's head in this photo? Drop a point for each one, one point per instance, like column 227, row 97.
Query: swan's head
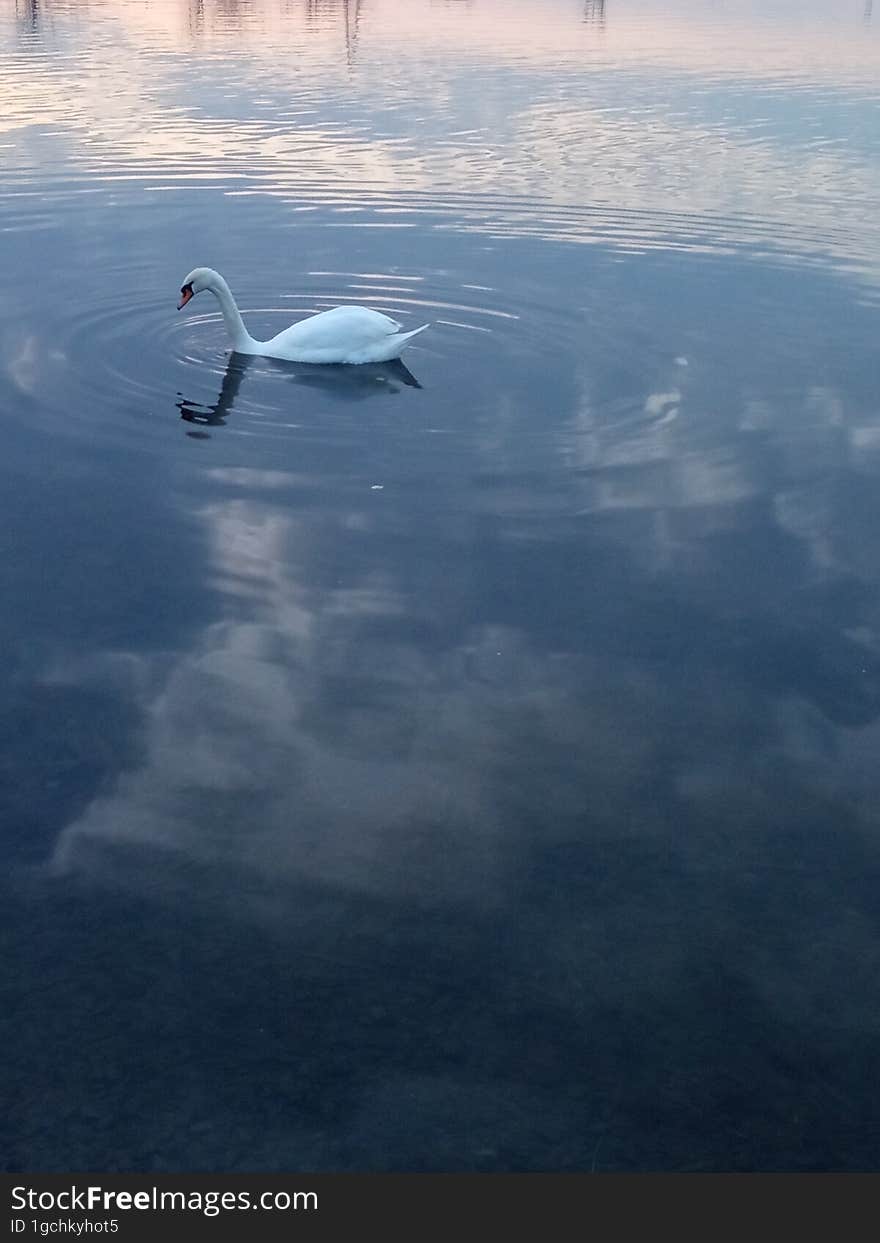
column 198, row 279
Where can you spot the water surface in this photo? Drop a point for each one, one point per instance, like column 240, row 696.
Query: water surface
column 471, row 764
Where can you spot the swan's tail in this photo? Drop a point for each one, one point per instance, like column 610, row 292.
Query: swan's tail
column 396, row 342
column 403, row 337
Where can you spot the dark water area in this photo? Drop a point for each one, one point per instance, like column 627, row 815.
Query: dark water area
column 469, row 763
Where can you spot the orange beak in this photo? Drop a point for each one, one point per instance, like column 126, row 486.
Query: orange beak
column 185, row 296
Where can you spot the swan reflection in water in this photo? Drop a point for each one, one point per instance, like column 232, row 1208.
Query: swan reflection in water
column 347, row 383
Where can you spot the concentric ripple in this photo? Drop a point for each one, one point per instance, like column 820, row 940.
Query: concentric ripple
column 115, row 359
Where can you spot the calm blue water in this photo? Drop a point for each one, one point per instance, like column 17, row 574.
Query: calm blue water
column 471, row 764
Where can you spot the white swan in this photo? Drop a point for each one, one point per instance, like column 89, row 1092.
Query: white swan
column 347, row 334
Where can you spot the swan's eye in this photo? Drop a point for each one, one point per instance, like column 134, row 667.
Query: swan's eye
column 186, row 288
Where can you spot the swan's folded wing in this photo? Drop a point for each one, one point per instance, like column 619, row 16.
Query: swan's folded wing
column 349, row 327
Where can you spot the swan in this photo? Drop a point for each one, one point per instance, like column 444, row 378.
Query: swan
column 346, row 334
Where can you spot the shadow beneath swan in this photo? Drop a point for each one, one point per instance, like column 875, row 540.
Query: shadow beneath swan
column 348, row 383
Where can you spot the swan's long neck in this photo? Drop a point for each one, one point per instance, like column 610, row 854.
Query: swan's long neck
column 241, row 338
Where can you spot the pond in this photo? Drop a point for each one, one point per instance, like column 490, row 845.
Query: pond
column 467, row 762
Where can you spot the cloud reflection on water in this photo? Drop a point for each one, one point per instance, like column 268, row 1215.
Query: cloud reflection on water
column 352, row 732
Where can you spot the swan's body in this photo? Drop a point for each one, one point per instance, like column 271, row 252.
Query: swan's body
column 347, row 334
